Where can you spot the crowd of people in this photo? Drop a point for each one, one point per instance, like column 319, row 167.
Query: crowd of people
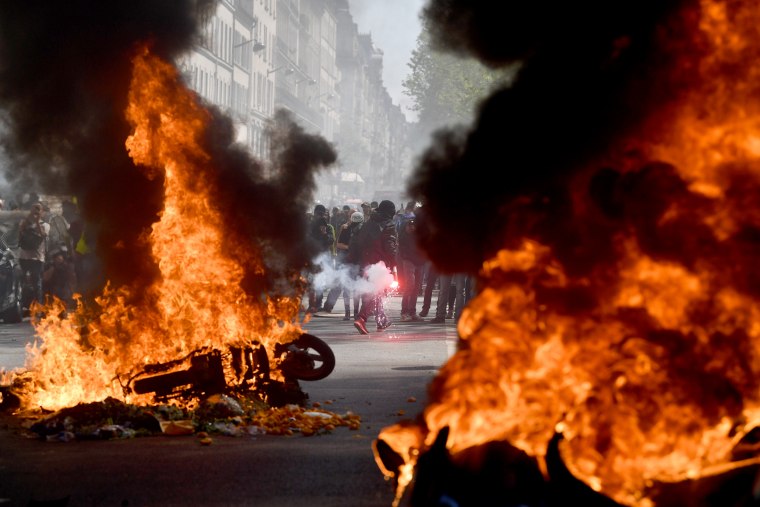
column 51, row 249
column 365, row 243
column 369, row 246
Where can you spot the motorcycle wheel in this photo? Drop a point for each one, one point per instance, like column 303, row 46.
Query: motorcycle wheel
column 308, row 358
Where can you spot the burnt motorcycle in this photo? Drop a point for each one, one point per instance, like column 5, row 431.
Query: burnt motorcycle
column 205, row 372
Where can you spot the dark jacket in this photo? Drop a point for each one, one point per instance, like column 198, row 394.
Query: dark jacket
column 377, row 241
column 323, row 241
column 348, row 237
column 407, row 246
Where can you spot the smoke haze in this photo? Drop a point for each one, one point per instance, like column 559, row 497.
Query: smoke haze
column 586, row 81
column 64, row 76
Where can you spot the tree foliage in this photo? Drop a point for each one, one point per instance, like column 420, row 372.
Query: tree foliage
column 445, row 89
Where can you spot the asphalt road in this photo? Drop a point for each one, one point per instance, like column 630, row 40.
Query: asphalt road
column 376, row 376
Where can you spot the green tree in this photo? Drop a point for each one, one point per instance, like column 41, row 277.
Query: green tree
column 445, row 89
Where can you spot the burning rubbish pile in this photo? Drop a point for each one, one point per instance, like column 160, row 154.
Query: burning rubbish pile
column 216, row 415
column 202, row 297
column 612, row 355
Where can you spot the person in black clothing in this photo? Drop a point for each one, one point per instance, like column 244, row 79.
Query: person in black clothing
column 349, row 232
column 59, row 279
column 320, row 234
column 450, row 283
column 412, row 262
column 431, row 278
column 377, row 242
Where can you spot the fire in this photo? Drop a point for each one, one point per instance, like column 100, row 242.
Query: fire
column 649, row 364
column 197, row 302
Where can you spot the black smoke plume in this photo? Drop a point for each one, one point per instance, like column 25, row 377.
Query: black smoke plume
column 603, row 152
column 64, row 75
column 591, row 73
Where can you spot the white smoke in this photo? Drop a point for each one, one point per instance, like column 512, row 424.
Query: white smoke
column 374, row 279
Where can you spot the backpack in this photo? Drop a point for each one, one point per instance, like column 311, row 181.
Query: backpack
column 354, row 252
column 29, row 239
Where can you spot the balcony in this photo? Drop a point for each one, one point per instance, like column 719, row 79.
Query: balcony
column 289, row 101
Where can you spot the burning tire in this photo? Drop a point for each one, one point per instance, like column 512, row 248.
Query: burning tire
column 308, row 358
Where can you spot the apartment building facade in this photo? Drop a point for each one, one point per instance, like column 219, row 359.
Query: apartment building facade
column 306, row 56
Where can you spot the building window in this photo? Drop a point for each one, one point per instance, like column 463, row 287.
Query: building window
column 266, row 41
column 260, row 93
column 270, row 98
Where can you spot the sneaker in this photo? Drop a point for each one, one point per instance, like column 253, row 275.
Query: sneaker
column 405, row 317
column 382, row 327
column 416, row 318
column 361, row 326
column 424, row 312
column 347, row 317
column 450, row 315
column 437, row 320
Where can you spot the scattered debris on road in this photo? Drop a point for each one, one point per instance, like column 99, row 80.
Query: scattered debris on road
column 218, row 415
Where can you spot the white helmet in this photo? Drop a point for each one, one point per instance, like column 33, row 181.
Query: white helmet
column 357, row 217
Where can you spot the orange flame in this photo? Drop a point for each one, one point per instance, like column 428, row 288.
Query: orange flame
column 658, row 381
column 197, row 301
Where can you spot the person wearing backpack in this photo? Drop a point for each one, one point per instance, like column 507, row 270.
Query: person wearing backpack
column 33, row 233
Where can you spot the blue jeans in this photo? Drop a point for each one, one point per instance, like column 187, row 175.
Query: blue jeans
column 370, row 302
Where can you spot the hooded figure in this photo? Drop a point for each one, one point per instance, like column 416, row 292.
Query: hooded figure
column 377, row 239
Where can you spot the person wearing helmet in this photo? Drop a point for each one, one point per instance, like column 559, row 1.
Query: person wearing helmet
column 348, row 230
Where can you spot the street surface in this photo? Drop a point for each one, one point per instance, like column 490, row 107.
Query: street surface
column 381, row 376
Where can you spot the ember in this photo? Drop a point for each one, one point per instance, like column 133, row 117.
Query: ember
column 618, row 299
column 217, row 415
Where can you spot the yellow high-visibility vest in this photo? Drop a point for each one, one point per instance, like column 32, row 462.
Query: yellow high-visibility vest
column 82, row 247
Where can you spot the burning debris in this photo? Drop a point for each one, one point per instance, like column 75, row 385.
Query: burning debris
column 217, row 415
column 93, row 106
column 615, row 237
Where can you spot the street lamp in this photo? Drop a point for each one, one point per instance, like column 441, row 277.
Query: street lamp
column 329, row 96
column 288, row 70
column 257, row 46
column 311, row 81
